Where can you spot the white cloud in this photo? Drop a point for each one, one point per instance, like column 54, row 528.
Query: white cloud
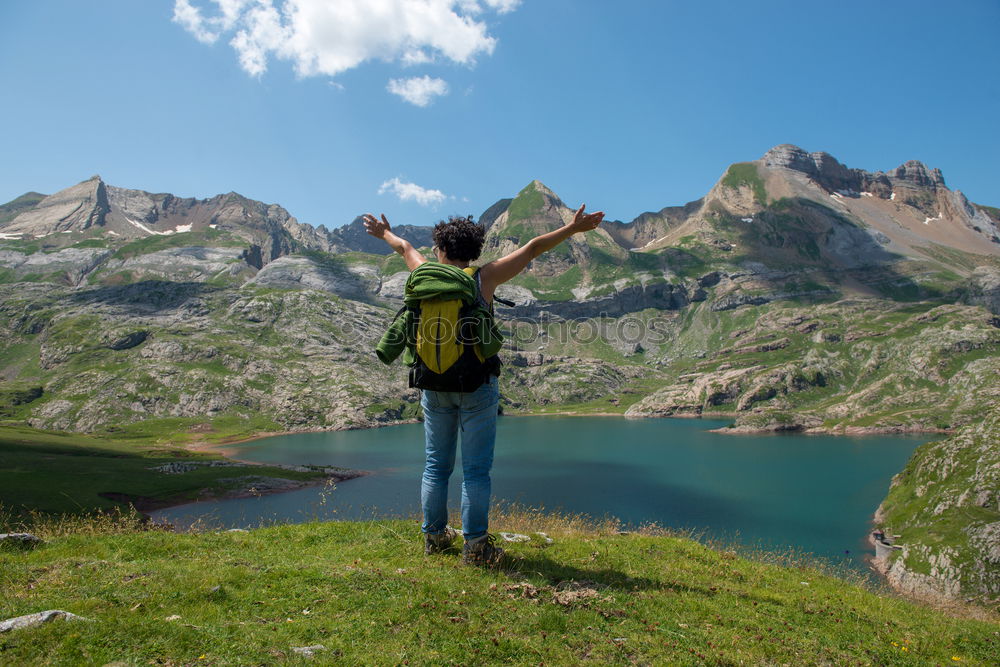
column 412, row 192
column 503, row 6
column 263, row 32
column 326, row 37
column 191, row 19
column 500, row 6
column 419, row 90
column 207, row 30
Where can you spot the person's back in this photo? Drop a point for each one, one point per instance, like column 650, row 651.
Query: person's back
column 472, row 410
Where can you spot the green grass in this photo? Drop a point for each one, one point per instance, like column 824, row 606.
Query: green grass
column 91, row 243
column 394, row 410
column 208, row 237
column 923, row 503
column 614, row 404
column 368, row 595
column 529, row 202
column 745, row 173
column 954, row 257
column 14, row 399
column 552, row 288
column 394, row 263
column 181, row 430
column 15, row 207
column 991, row 211
column 57, row 473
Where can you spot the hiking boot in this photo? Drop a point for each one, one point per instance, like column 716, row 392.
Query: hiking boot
column 482, row 551
column 435, row 543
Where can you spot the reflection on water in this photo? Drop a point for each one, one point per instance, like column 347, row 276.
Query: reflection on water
column 813, row 493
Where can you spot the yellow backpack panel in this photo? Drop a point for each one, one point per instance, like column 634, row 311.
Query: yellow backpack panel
column 438, row 341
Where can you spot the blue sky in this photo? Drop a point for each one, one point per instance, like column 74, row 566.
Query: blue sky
column 627, row 106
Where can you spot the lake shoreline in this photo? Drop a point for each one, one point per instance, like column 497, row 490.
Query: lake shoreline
column 823, row 430
column 255, row 488
column 223, row 447
column 228, row 449
column 272, row 486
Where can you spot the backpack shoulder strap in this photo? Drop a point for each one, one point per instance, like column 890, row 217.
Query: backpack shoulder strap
column 399, row 312
column 479, row 293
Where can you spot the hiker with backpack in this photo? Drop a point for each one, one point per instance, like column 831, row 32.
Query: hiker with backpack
column 447, row 336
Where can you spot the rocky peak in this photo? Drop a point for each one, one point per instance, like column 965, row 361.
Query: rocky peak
column 536, row 202
column 789, row 156
column 535, row 210
column 552, row 200
column 821, row 166
column 915, row 173
column 833, row 176
column 353, row 236
column 74, row 209
column 543, row 190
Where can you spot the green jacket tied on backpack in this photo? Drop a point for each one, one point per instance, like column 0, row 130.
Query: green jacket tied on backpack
column 434, row 281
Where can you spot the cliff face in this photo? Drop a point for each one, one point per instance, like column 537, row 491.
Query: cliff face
column 945, row 507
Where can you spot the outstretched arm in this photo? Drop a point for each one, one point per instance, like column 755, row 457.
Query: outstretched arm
column 501, row 270
column 380, row 230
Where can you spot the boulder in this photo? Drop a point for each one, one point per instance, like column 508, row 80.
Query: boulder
column 20, row 540
column 34, row 620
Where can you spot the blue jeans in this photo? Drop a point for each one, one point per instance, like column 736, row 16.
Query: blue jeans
column 474, row 414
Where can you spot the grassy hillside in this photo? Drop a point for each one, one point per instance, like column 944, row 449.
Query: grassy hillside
column 15, row 207
column 59, row 473
column 745, row 174
column 183, row 356
column 945, row 507
column 870, row 364
column 366, row 593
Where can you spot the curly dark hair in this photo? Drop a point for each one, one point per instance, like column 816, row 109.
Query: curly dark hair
column 460, row 238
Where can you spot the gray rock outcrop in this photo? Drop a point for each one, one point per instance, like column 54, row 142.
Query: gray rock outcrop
column 79, row 207
column 984, row 289
column 351, row 282
column 34, row 620
column 660, row 295
column 945, row 505
column 20, row 540
column 68, row 266
column 188, row 264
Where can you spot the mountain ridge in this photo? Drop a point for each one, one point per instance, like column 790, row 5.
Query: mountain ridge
column 136, row 213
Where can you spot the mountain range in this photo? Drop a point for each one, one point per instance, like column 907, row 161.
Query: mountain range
column 797, row 294
column 850, row 231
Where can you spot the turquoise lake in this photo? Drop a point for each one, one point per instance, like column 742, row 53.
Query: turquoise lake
column 813, row 493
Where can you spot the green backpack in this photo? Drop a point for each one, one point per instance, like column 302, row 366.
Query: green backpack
column 445, row 329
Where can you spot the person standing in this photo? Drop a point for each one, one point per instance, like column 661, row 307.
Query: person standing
column 472, row 412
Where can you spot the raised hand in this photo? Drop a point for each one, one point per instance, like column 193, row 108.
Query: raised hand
column 374, row 226
column 585, row 222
